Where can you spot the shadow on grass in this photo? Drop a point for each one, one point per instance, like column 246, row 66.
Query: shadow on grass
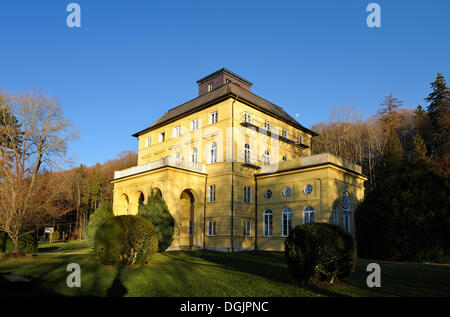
column 32, row 288
column 117, row 288
column 268, row 265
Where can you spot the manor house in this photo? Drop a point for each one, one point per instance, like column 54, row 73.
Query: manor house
column 236, row 171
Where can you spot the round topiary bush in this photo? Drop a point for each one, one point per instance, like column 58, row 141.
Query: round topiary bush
column 126, row 240
column 320, row 252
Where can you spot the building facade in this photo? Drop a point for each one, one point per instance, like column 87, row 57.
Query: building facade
column 236, row 171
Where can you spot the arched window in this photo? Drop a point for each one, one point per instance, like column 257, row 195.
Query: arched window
column 194, row 155
column 286, row 221
column 266, row 157
column 284, row 158
column 247, row 153
column 308, row 214
column 213, row 158
column 335, row 215
column 267, row 220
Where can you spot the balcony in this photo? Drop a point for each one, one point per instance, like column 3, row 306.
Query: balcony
column 166, row 161
column 259, row 125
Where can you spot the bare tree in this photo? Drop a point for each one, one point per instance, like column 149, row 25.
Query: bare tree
column 35, row 135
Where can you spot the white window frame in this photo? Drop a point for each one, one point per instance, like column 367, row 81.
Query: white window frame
column 211, row 228
column 300, row 139
column 211, row 193
column 247, row 229
column 210, row 87
column 194, row 124
column 213, row 153
column 176, row 131
column 248, row 193
column 346, row 221
column 284, row 133
column 308, row 214
column 335, row 214
column 248, row 118
column 286, row 213
column 267, row 223
column 214, row 117
column 148, row 142
column 162, row 137
column 194, row 156
column 267, row 126
column 266, row 157
column 247, row 153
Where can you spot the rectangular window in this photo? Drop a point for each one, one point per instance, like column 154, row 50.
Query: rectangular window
column 210, row 87
column 267, row 126
column 194, row 124
column 213, row 117
column 162, row 137
column 247, row 229
column 176, row 131
column 284, row 134
column 148, row 142
column 248, row 194
column 191, row 228
column 211, row 228
column 212, row 193
column 248, row 118
column 300, row 140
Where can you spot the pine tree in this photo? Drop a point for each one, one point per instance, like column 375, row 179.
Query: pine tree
column 438, row 112
column 420, row 150
column 388, row 114
column 157, row 212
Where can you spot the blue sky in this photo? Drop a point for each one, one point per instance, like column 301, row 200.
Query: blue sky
column 132, row 60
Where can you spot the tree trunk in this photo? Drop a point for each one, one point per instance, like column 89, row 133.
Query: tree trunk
column 16, row 244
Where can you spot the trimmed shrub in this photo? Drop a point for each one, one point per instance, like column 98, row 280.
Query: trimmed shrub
column 27, row 243
column 320, row 252
column 126, row 240
column 157, row 212
column 100, row 215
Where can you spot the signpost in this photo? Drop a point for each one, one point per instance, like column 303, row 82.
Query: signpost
column 50, row 230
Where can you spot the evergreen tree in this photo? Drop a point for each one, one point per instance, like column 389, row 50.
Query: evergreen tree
column 438, row 112
column 389, row 113
column 103, row 212
column 420, row 150
column 157, row 212
column 405, row 216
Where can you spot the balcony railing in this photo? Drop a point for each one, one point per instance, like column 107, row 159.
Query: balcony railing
column 271, row 130
column 165, row 161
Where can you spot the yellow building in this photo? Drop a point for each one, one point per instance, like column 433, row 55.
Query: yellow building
column 236, row 171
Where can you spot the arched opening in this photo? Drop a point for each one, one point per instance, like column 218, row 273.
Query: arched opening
column 123, row 204
column 157, row 192
column 141, row 198
column 187, row 226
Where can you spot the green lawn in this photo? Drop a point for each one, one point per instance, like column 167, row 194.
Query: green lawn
column 204, row 273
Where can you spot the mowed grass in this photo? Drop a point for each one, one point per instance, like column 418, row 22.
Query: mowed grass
column 205, row 273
